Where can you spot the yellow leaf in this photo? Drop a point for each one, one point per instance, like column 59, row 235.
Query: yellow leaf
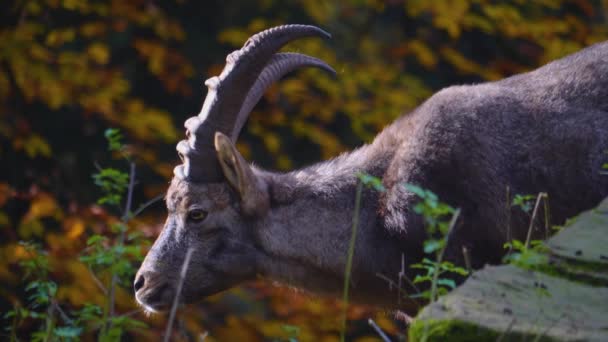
column 99, row 53
column 43, row 205
column 35, row 145
column 59, row 37
column 29, row 228
column 93, row 29
column 19, row 253
column 422, row 52
column 75, row 228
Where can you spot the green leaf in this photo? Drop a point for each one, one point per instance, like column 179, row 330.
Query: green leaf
column 89, row 313
column 37, row 315
column 511, row 258
column 461, row 271
column 291, row 330
column 426, row 294
column 114, row 138
column 416, row 190
column 68, row 332
column 111, row 335
column 134, row 236
column 431, row 246
column 447, row 282
column 372, row 181
column 95, row 239
column 523, row 201
column 113, row 183
column 420, row 279
column 118, row 227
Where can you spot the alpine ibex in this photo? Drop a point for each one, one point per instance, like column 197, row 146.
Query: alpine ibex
column 541, row 131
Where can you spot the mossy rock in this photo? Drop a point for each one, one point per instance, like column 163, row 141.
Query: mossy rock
column 565, row 299
column 580, row 250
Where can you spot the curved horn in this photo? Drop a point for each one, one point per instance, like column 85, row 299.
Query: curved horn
column 280, row 65
column 225, row 97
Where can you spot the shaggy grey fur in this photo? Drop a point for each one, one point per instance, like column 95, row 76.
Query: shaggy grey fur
column 542, row 131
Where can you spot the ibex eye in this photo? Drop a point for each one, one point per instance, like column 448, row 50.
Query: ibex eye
column 197, row 215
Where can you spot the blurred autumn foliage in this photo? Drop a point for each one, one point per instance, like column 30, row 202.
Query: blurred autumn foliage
column 69, row 69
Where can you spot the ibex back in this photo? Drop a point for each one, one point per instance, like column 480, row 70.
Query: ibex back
column 542, row 131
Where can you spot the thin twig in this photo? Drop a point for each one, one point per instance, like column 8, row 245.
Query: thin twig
column 534, row 212
column 399, row 275
column 132, row 312
column 509, row 237
column 438, row 266
column 125, row 215
column 378, row 330
column 121, row 237
column 15, row 323
column 440, row 255
column 543, row 333
column 97, row 281
column 504, row 333
column 467, row 259
column 147, row 204
column 349, row 260
column 49, row 323
column 62, row 313
column 547, row 215
column 97, row 166
column 392, row 283
column 182, row 277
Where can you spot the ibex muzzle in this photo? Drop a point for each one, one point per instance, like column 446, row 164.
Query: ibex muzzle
column 542, row 131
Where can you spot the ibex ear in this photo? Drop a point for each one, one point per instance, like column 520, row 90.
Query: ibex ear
column 253, row 193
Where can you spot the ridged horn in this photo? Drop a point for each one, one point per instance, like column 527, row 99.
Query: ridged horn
column 279, row 65
column 237, row 85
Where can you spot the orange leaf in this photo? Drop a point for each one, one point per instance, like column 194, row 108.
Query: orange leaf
column 75, row 227
column 43, row 205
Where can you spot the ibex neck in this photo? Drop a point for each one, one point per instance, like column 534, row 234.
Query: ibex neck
column 304, row 239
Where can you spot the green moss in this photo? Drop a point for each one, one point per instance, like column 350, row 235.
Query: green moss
column 577, row 271
column 431, row 330
column 448, row 330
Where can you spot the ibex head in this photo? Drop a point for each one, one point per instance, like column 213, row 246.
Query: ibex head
column 215, row 196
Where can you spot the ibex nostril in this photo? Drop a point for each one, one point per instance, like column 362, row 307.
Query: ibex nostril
column 139, row 282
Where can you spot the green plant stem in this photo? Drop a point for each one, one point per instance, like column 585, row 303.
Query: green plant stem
column 15, row 324
column 437, row 271
column 50, row 323
column 125, row 216
column 349, row 260
column 182, row 277
column 508, row 212
column 62, row 313
column 378, row 330
column 467, row 259
column 147, row 204
column 440, row 256
column 121, row 239
column 540, row 196
column 547, row 215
